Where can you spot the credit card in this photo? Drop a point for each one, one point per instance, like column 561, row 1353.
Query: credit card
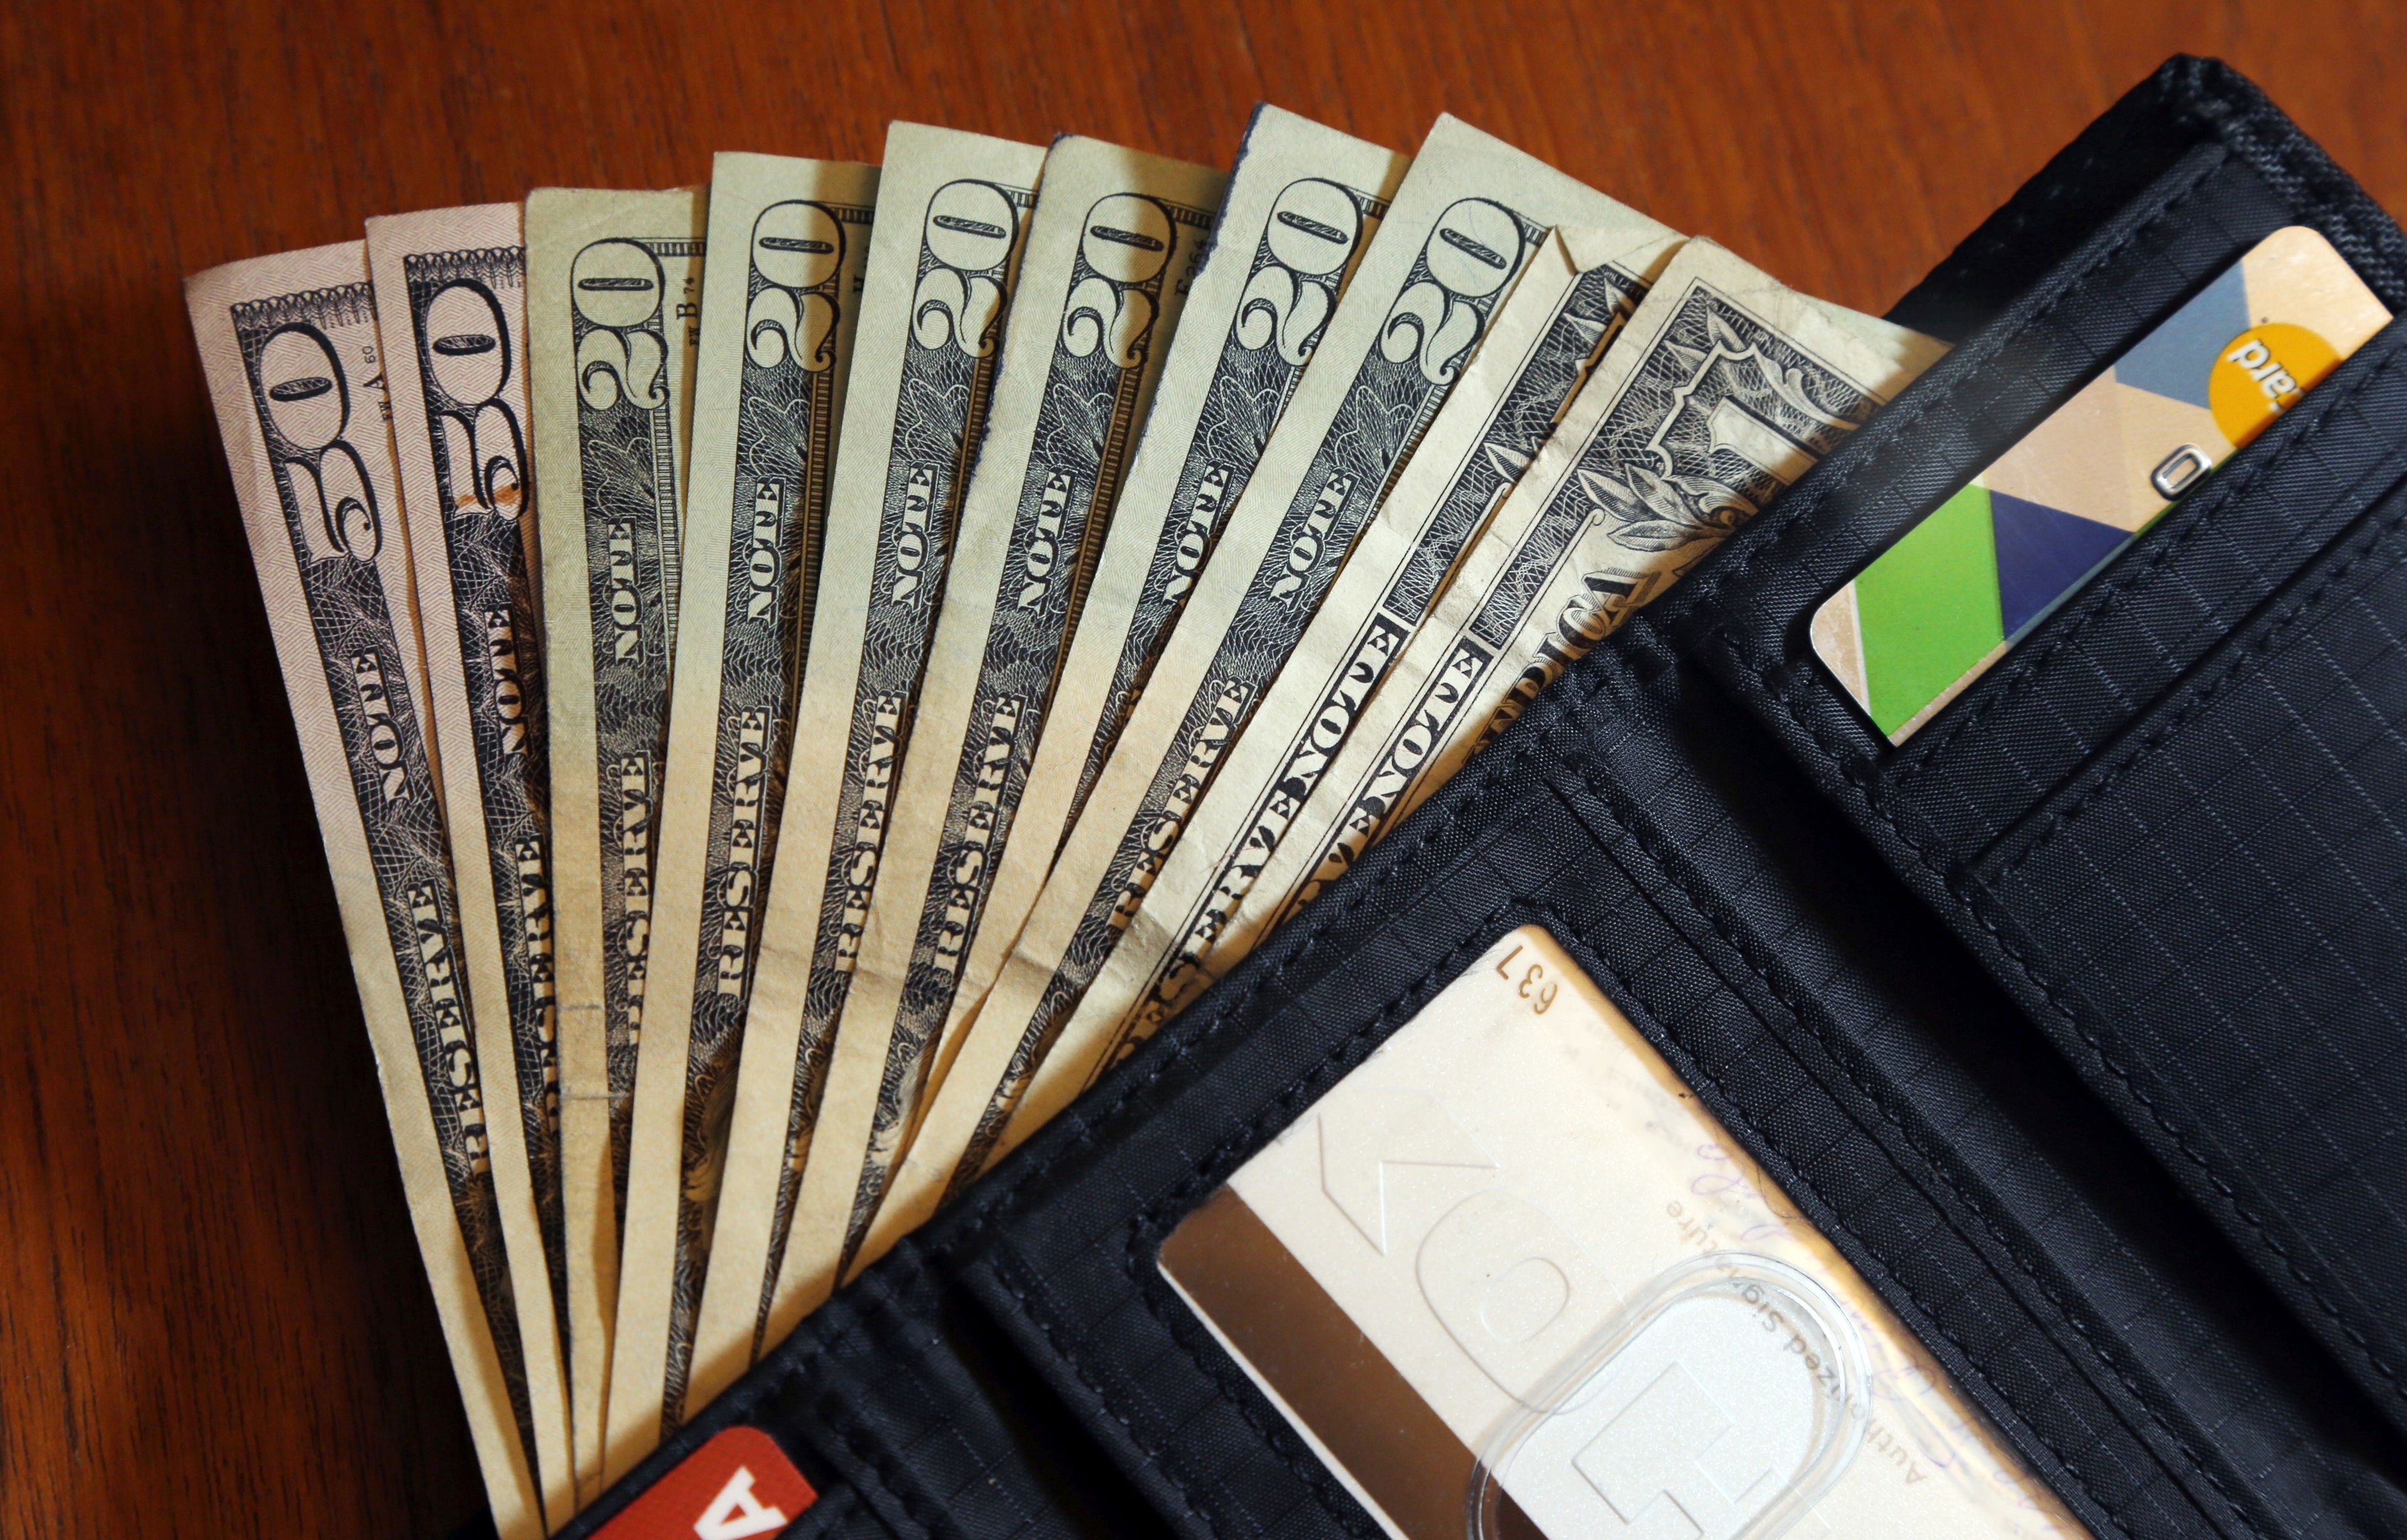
column 1934, row 611
column 1507, row 1277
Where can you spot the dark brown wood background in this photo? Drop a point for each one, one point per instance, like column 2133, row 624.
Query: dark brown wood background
column 211, row 1314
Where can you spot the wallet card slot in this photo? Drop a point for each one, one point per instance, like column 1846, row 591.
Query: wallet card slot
column 2071, row 689
column 2122, row 1358
column 1748, row 607
column 2348, row 575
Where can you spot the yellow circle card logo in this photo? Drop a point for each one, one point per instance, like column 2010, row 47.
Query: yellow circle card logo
column 2261, row 372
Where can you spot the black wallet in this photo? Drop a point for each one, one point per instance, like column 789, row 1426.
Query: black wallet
column 2074, row 1024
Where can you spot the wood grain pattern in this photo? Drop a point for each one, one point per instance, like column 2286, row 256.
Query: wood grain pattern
column 211, row 1316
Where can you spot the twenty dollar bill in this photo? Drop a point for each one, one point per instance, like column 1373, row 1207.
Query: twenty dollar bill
column 1300, row 210
column 953, row 206
column 1467, row 219
column 614, row 309
column 1111, row 247
column 780, row 292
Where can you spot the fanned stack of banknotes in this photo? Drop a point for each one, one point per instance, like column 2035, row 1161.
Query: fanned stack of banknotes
column 798, row 676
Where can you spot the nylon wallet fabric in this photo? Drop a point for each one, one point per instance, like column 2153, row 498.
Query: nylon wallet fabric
column 2073, row 1023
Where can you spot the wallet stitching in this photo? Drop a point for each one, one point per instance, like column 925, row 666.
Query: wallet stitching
column 1957, row 881
column 1735, row 933
column 2259, row 649
column 828, row 1511
column 805, row 1354
column 870, row 1450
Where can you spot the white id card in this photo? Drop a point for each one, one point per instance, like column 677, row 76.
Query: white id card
column 1509, row 1280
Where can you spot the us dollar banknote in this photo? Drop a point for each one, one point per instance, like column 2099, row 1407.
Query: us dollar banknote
column 614, row 312
column 1567, row 307
column 1466, row 219
column 1557, row 320
column 781, row 290
column 450, row 287
column 954, row 207
column 1724, row 389
column 295, row 368
column 1301, row 208
column 1111, row 248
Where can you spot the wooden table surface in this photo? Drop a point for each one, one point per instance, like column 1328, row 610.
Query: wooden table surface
column 212, row 1318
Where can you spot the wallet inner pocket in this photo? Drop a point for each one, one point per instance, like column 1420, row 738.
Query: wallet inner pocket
column 2027, row 723
column 2215, row 908
column 2068, row 690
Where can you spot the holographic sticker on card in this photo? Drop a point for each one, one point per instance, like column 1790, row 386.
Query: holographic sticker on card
column 1933, row 612
column 1509, row 1280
